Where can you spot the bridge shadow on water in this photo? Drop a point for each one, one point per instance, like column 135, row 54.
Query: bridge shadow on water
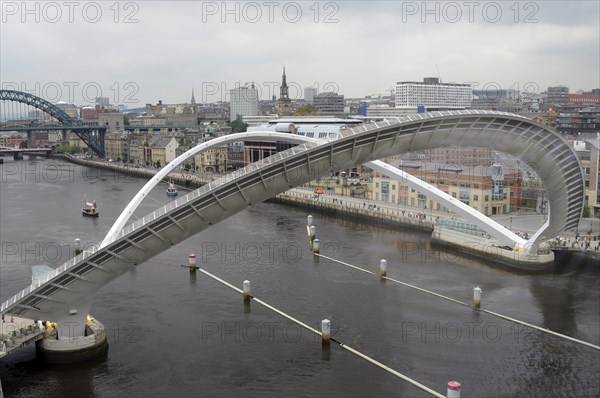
column 63, row 380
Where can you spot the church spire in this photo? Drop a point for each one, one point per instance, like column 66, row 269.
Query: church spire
column 193, row 99
column 283, row 91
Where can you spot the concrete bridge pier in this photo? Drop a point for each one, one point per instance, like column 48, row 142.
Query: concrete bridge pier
column 79, row 336
column 17, row 155
column 30, row 139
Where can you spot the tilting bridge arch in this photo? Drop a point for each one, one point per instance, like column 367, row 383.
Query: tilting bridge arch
column 75, row 281
column 93, row 136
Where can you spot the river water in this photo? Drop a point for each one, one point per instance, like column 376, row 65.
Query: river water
column 172, row 334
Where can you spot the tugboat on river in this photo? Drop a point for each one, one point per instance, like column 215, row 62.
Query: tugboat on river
column 90, row 210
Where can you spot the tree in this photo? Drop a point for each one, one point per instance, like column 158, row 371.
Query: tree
column 238, row 127
column 126, row 120
column 586, row 211
column 306, row 110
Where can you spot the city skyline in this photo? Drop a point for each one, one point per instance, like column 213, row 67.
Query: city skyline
column 132, row 53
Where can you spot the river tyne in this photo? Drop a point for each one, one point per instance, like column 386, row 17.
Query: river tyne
column 174, row 335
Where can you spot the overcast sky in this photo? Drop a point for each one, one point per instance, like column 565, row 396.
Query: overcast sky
column 139, row 52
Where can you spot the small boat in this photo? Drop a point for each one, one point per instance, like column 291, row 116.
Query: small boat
column 171, row 191
column 89, row 210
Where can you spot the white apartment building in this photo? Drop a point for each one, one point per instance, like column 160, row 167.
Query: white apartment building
column 309, row 94
column 243, row 101
column 433, row 95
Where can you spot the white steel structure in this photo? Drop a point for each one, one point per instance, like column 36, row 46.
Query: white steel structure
column 66, row 294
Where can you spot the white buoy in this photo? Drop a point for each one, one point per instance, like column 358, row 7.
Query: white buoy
column 477, row 297
column 325, row 330
column 77, row 246
column 312, row 230
column 382, row 267
column 315, row 246
column 192, row 260
column 246, row 290
column 453, row 389
column 309, row 220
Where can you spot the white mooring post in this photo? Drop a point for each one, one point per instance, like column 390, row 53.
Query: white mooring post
column 77, row 246
column 309, row 220
column 246, row 290
column 383, row 267
column 312, row 231
column 315, row 246
column 192, row 260
column 453, row 389
column 477, row 297
column 326, row 330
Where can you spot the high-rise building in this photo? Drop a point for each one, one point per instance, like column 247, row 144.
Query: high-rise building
column 284, row 104
column 578, row 121
column 243, row 102
column 309, row 94
column 329, row 103
column 558, row 95
column 102, row 101
column 433, row 95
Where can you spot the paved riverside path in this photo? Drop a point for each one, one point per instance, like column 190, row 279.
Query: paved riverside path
column 521, row 221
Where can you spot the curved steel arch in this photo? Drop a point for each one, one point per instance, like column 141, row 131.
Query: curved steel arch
column 503, row 235
column 94, row 140
column 543, row 149
column 73, row 283
column 39, row 103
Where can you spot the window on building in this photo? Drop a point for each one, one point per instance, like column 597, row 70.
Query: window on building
column 376, row 185
column 476, row 185
column 385, row 190
column 487, row 199
column 497, row 190
column 393, row 187
column 475, row 198
column 464, row 197
column 454, row 194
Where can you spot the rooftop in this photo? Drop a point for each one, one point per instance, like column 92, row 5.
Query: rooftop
column 315, row 120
